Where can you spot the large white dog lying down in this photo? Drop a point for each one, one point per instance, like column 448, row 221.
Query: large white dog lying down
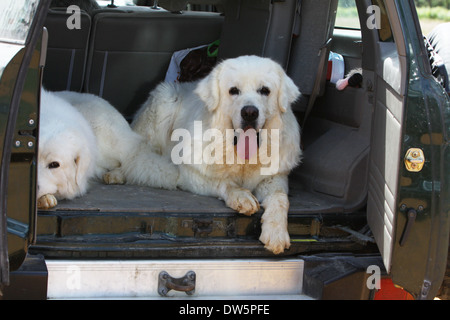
column 240, row 97
column 81, row 137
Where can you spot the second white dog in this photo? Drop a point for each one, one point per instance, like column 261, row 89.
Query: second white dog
column 104, row 140
column 67, row 152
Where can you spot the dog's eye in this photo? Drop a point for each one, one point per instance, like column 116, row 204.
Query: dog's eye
column 53, row 165
column 264, row 91
column 234, row 91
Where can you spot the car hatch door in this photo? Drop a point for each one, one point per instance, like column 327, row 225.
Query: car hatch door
column 408, row 200
column 21, row 41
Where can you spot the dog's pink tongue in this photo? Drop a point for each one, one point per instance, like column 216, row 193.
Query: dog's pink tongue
column 247, row 144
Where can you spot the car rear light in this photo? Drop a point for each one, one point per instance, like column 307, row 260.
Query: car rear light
column 389, row 291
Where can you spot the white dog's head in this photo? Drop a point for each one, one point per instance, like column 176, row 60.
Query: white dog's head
column 249, row 90
column 67, row 150
column 65, row 163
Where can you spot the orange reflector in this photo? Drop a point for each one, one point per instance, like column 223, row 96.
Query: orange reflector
column 389, row 291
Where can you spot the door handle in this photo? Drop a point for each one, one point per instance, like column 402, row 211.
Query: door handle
column 411, row 218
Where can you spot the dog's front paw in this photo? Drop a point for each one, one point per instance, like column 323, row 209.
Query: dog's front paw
column 47, row 201
column 114, row 176
column 243, row 201
column 274, row 228
column 275, row 237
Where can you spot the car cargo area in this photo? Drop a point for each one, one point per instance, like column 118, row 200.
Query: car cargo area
column 121, row 54
column 126, row 221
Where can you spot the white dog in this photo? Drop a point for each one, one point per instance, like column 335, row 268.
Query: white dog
column 67, row 151
column 87, row 128
column 243, row 96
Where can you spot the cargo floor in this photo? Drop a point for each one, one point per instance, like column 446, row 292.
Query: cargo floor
column 129, row 198
column 126, row 221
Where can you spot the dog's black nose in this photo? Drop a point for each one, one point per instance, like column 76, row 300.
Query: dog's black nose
column 249, row 113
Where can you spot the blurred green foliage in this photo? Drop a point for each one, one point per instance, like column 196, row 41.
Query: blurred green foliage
column 435, row 13
column 426, row 9
column 433, row 3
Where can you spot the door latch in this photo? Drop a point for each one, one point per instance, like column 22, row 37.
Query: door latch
column 184, row 284
column 414, row 160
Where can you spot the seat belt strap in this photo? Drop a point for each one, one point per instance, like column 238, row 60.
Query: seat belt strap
column 324, row 51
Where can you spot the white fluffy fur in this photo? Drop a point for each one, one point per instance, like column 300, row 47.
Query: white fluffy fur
column 241, row 186
column 86, row 127
column 66, row 139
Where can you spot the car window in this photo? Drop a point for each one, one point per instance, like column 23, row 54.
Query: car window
column 16, row 19
column 347, row 15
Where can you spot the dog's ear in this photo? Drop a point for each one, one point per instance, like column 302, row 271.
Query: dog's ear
column 287, row 92
column 83, row 169
column 208, row 89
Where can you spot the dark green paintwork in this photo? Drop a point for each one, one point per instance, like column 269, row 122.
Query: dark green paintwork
column 426, row 126
column 19, row 101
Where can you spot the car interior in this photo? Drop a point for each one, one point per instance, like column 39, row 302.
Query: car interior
column 122, row 53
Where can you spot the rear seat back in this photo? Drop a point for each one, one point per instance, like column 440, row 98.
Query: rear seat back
column 262, row 28
column 314, row 29
column 130, row 52
column 67, row 51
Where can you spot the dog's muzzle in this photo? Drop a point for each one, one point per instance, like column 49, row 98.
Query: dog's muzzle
column 247, row 140
column 249, row 113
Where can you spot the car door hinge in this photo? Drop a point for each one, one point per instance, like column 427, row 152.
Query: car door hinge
column 425, row 289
